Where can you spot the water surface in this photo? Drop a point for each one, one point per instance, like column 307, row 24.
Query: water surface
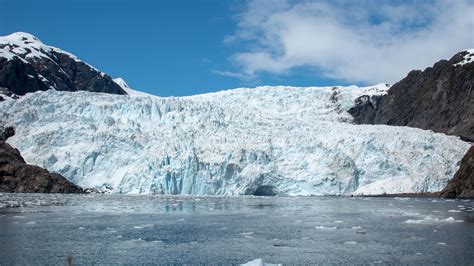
column 97, row 229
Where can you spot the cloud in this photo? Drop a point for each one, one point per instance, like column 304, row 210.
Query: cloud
column 233, row 74
column 360, row 41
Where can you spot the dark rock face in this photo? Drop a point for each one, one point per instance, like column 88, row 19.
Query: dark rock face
column 17, row 176
column 365, row 108
column 440, row 98
column 38, row 67
column 462, row 184
column 6, row 133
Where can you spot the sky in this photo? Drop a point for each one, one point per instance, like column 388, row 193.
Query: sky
column 176, row 48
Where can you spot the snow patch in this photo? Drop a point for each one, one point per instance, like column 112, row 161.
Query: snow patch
column 25, row 46
column 468, row 58
column 121, row 82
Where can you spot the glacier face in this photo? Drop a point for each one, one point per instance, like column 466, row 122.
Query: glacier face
column 292, row 141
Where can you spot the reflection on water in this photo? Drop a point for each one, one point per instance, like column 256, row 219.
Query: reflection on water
column 109, row 229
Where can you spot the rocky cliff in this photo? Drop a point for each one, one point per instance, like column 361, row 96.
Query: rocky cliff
column 28, row 65
column 440, row 98
column 462, row 185
column 18, row 176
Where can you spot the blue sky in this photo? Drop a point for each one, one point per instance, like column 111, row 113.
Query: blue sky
column 187, row 47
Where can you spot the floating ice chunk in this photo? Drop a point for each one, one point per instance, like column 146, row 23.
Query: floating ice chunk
column 400, row 198
column 454, row 211
column 31, row 223
column 430, row 220
column 143, row 226
column 322, row 227
column 259, row 262
column 356, row 227
column 350, row 243
column 440, row 243
column 338, row 222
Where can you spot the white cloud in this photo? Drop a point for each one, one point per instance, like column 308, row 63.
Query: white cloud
column 233, row 74
column 362, row 41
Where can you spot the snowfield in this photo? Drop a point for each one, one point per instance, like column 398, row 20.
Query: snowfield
column 266, row 140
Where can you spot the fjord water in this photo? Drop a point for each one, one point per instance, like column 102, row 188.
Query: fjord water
column 98, row 229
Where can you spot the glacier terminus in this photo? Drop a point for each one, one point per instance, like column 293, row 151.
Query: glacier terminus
column 250, row 141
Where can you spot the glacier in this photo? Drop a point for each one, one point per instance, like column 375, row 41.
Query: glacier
column 253, row 141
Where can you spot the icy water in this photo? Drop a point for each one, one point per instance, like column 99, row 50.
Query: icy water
column 118, row 229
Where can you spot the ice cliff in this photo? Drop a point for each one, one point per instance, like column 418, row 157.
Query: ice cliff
column 266, row 140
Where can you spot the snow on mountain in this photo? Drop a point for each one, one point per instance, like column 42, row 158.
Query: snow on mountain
column 266, row 140
column 24, row 45
column 468, row 57
column 29, row 65
column 123, row 84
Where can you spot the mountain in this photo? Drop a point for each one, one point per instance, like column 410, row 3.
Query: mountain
column 462, row 184
column 17, row 176
column 261, row 141
column 440, row 98
column 28, row 65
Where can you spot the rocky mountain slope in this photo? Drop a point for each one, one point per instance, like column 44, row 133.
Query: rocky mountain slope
column 440, row 98
column 462, row 185
column 266, row 140
column 17, row 176
column 28, row 65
